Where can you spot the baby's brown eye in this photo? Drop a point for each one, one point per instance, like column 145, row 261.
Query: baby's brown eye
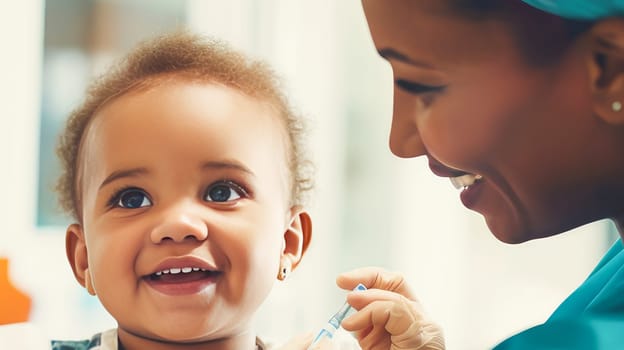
column 132, row 199
column 224, row 192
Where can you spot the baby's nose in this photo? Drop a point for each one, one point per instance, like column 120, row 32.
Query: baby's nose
column 178, row 226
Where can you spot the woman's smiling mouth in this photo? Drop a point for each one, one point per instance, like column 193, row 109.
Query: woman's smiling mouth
column 470, row 184
column 466, row 180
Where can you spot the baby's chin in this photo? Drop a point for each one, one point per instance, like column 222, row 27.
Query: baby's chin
column 179, row 335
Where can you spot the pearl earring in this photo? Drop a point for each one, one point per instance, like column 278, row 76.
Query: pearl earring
column 616, row 106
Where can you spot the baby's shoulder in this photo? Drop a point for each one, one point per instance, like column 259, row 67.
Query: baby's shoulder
column 71, row 344
column 101, row 341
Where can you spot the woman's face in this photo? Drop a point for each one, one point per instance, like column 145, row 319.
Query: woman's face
column 466, row 97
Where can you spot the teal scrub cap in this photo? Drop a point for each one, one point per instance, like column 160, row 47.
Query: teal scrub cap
column 580, row 9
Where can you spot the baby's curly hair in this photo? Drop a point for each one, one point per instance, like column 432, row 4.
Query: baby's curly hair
column 186, row 56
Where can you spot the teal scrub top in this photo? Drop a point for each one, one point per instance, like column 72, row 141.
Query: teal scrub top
column 592, row 317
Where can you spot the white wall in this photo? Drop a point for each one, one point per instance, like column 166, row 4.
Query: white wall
column 21, row 35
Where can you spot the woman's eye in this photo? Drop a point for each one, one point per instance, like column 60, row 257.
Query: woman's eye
column 224, row 192
column 416, row 88
column 132, row 199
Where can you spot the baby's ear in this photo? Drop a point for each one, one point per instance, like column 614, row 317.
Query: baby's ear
column 606, row 68
column 76, row 250
column 296, row 237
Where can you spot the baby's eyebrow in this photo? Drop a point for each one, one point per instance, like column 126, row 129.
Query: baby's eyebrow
column 227, row 164
column 123, row 173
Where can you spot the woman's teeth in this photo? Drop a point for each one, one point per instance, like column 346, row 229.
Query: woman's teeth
column 465, row 180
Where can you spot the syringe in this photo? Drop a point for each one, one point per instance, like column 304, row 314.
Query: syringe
column 334, row 322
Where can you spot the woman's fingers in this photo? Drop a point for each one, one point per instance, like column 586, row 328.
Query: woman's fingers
column 388, row 316
column 395, row 316
column 359, row 299
column 375, row 277
column 365, row 318
column 377, row 338
column 362, row 333
column 390, row 321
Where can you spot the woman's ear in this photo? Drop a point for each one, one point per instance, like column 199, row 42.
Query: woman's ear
column 606, row 68
column 296, row 239
column 76, row 250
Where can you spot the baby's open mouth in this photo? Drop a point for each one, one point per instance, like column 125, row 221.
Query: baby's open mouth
column 182, row 275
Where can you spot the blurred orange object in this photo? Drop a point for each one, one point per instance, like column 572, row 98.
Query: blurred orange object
column 14, row 304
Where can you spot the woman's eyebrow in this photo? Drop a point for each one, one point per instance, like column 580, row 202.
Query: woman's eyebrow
column 123, row 173
column 227, row 164
column 392, row 54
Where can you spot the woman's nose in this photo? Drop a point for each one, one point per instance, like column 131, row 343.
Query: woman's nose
column 178, row 225
column 405, row 141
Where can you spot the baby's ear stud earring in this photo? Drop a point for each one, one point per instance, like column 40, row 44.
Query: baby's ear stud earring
column 284, row 271
column 616, row 106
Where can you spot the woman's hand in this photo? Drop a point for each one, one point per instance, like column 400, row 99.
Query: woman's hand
column 389, row 316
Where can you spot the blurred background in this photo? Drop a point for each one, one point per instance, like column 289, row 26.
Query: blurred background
column 369, row 208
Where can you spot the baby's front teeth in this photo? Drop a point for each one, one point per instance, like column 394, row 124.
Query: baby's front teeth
column 177, row 270
column 465, row 180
